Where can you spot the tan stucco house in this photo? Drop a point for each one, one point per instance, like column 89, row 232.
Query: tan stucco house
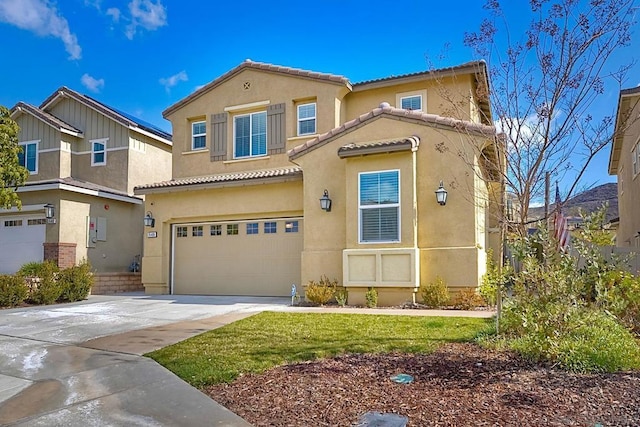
column 84, row 159
column 624, row 162
column 256, row 150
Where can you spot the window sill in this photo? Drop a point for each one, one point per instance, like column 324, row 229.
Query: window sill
column 246, row 159
column 199, row 151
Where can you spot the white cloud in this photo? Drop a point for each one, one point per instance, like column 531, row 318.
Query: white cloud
column 147, row 14
column 93, row 3
column 114, row 13
column 91, row 83
column 170, row 82
column 42, row 18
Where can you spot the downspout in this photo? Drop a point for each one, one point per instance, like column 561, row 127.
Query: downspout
column 414, row 166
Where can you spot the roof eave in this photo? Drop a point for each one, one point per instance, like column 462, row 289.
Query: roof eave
column 221, row 184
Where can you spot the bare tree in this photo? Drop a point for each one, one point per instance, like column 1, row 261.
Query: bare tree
column 543, row 83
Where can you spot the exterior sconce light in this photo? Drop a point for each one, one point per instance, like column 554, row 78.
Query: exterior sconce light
column 325, row 202
column 149, row 220
column 49, row 211
column 441, row 195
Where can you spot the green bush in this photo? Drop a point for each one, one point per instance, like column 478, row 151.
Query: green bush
column 49, row 287
column 76, row 282
column 371, row 298
column 13, row 290
column 35, row 268
column 467, row 299
column 435, row 294
column 592, row 342
column 342, row 295
column 620, row 295
column 322, row 291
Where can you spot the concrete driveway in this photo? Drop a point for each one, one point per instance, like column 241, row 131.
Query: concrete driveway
column 79, row 364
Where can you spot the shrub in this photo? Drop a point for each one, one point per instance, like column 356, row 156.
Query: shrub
column 467, row 299
column 620, row 295
column 35, row 268
column 76, row 282
column 49, row 288
column 592, row 342
column 13, row 290
column 435, row 294
column 342, row 296
column 322, row 291
column 371, row 298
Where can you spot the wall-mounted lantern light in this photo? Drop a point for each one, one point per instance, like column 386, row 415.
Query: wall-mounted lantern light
column 325, row 202
column 441, row 195
column 149, row 220
column 49, row 211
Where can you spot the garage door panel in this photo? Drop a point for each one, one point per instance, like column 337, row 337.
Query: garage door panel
column 21, row 241
column 262, row 264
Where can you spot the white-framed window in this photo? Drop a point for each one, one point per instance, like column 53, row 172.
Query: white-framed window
column 181, row 231
column 198, row 135
column 232, row 229
column 270, row 227
column 413, row 102
column 291, row 227
column 250, row 135
column 379, row 206
column 197, row 231
column 252, row 228
column 28, row 157
column 216, row 230
column 307, row 119
column 99, row 152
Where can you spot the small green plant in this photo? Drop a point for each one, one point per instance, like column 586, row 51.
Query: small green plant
column 32, row 269
column 342, row 295
column 76, row 282
column 371, row 298
column 322, row 291
column 49, row 288
column 13, row 290
column 467, row 299
column 495, row 280
column 435, row 294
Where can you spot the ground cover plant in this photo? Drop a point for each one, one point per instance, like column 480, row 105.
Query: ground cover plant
column 269, row 339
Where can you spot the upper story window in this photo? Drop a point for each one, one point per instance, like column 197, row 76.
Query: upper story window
column 411, row 102
column 198, row 135
column 635, row 159
column 379, row 206
column 99, row 152
column 28, row 157
column 250, row 135
column 307, row 119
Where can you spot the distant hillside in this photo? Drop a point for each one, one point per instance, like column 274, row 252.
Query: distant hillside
column 588, row 201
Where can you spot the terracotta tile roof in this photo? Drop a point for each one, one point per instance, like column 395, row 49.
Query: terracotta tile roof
column 385, row 109
column 404, row 144
column 47, row 118
column 292, row 171
column 477, row 66
column 296, row 72
column 119, row 116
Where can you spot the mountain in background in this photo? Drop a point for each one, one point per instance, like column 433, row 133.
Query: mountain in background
column 588, row 201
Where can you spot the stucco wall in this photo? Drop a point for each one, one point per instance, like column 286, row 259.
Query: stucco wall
column 629, row 185
column 276, row 200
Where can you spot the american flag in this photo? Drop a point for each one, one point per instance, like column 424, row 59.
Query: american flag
column 560, row 226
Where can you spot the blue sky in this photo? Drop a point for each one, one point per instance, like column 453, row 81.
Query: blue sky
column 141, row 56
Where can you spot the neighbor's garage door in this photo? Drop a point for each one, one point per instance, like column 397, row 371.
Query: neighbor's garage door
column 260, row 258
column 21, row 239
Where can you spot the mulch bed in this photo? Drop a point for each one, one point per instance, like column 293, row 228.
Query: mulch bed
column 458, row 385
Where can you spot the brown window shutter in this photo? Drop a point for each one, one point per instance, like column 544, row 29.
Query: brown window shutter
column 218, row 137
column 276, row 131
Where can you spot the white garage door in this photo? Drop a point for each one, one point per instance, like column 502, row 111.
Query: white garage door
column 260, row 258
column 21, row 239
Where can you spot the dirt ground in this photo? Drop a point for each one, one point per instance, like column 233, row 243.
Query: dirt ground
column 458, row 385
